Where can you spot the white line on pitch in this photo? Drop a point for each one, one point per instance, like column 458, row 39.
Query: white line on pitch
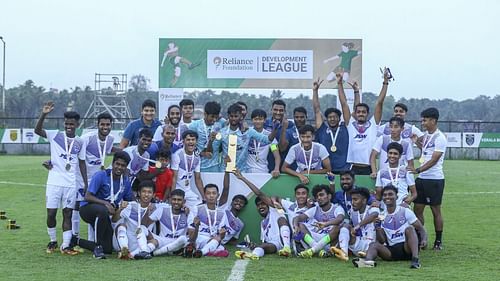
column 472, row 192
column 22, row 183
column 238, row 271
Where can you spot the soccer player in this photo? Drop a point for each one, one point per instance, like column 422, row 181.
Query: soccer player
column 107, row 189
column 61, row 182
column 95, row 146
column 398, row 230
column 172, row 53
column 134, row 227
column 139, row 164
column 258, row 152
column 147, row 120
column 410, row 132
column 343, row 197
column 292, row 133
column 331, row 133
column 360, row 232
column 186, row 166
column 430, row 180
column 207, row 232
column 274, row 229
column 174, row 119
column 187, row 109
column 234, row 112
column 310, row 157
column 380, row 146
column 323, row 223
column 346, row 56
column 173, row 220
column 279, row 122
column 204, row 127
column 362, row 131
column 168, row 134
column 398, row 175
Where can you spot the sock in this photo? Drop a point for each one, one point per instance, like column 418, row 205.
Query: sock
column 321, row 244
column 90, row 233
column 309, row 240
column 344, row 239
column 172, row 247
column 285, row 235
column 66, row 238
column 439, row 236
column 122, row 236
column 75, row 222
column 259, row 252
column 142, row 241
column 52, row 234
column 210, row 247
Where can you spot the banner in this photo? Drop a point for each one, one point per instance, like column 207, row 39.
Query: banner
column 454, row 139
column 257, row 63
column 471, row 139
column 11, row 135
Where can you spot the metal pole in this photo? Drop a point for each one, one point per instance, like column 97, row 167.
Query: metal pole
column 3, row 77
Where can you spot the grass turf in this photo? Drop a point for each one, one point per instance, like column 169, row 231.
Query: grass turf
column 470, row 212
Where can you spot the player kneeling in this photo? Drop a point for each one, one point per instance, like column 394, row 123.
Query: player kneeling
column 132, row 232
column 274, row 229
column 360, row 233
column 323, row 223
column 398, row 229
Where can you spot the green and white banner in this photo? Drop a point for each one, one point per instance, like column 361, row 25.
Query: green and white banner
column 481, row 140
column 27, row 135
column 257, row 63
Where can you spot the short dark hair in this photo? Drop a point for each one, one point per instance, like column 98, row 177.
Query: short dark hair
column 210, row 185
column 258, row 200
column 121, row 155
column 331, row 110
column 185, row 102
column 398, row 120
column 363, row 191
column 306, row 128
column 241, row 197
column 145, row 132
column 164, row 153
column 177, row 192
column 212, row 108
column 258, row 113
column 347, row 172
column 430, row 112
column 173, row 106
column 278, row 102
column 362, row 104
column 299, row 186
column 146, row 183
column 242, row 104
column 402, row 106
column 395, row 145
column 148, row 103
column 72, row 115
column 320, row 187
column 189, row 133
column 104, row 115
column 300, row 109
column 234, row 108
column 390, row 187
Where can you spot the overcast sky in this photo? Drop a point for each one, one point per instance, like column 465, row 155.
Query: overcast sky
column 436, row 49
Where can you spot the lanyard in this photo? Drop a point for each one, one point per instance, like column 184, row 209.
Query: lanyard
column 297, row 132
column 394, row 180
column 112, row 191
column 334, row 139
column 174, row 226
column 427, row 141
column 102, row 153
column 308, row 163
column 68, row 150
column 190, row 167
column 210, row 220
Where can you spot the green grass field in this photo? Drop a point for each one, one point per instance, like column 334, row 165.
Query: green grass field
column 471, row 240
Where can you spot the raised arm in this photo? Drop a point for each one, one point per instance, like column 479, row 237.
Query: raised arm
column 283, row 142
column 381, row 97
column 346, row 111
column 318, row 118
column 46, row 109
column 254, row 188
column 225, row 190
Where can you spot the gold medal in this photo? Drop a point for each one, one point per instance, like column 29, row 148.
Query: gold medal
column 158, row 164
column 333, row 148
column 218, row 136
column 421, row 160
column 68, row 166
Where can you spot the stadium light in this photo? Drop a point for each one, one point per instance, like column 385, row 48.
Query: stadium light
column 3, row 77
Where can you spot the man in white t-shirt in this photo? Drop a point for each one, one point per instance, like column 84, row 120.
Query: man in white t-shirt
column 258, row 151
column 310, row 157
column 430, row 180
column 409, row 132
column 61, row 182
column 380, row 147
column 362, row 130
column 397, row 228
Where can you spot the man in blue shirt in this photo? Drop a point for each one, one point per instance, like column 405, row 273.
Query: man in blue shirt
column 147, row 120
column 343, row 197
column 279, row 122
column 106, row 191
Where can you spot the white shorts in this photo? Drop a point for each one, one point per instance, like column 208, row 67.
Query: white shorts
column 60, row 196
column 316, row 233
column 80, row 196
column 361, row 245
column 202, row 240
column 177, row 71
column 163, row 241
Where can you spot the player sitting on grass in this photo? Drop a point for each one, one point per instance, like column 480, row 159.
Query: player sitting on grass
column 132, row 232
column 207, row 231
column 323, row 226
column 173, row 220
column 274, row 229
column 233, row 224
column 397, row 229
column 360, row 232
